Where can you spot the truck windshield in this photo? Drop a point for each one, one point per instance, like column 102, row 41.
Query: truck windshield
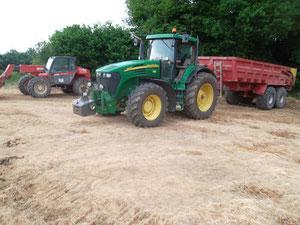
column 49, row 63
column 161, row 49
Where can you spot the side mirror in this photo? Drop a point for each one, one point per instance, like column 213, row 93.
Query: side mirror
column 135, row 42
column 185, row 38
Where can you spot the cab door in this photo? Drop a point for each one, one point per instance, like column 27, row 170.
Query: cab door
column 63, row 70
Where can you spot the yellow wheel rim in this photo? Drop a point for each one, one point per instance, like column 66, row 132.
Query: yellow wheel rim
column 205, row 97
column 151, row 107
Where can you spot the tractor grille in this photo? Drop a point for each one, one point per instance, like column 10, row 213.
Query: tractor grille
column 108, row 83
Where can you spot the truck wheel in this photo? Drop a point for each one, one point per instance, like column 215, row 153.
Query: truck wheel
column 78, row 84
column 39, row 87
column 200, row 97
column 147, row 105
column 232, row 97
column 67, row 89
column 281, row 97
column 23, row 84
column 267, row 100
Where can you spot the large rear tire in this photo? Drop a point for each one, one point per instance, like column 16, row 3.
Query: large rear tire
column 200, row 96
column 23, row 84
column 232, row 97
column 267, row 100
column 281, row 97
column 147, row 105
column 39, row 87
column 78, row 84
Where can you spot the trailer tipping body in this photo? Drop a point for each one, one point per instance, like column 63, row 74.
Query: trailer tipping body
column 249, row 78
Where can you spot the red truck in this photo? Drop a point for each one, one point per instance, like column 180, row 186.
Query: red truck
column 59, row 71
column 246, row 79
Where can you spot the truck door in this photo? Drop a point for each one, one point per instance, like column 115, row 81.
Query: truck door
column 63, row 70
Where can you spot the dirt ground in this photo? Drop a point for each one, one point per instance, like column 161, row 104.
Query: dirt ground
column 241, row 166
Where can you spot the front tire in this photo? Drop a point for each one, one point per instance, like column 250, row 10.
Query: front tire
column 23, row 84
column 78, row 84
column 39, row 87
column 200, row 97
column 147, row 105
column 267, row 100
column 281, row 97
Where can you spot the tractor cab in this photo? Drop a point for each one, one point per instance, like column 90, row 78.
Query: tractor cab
column 60, row 64
column 176, row 52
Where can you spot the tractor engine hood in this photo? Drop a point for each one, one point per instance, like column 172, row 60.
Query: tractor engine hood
column 126, row 66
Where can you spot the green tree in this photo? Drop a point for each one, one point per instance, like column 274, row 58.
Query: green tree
column 15, row 57
column 43, row 52
column 244, row 28
column 94, row 46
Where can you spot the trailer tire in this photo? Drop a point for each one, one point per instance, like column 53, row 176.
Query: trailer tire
column 232, row 97
column 281, row 97
column 200, row 96
column 39, row 87
column 267, row 100
column 23, row 84
column 147, row 105
column 78, row 84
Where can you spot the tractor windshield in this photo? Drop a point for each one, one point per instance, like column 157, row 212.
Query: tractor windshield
column 49, row 63
column 161, row 49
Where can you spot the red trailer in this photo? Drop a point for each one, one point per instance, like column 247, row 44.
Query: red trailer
column 246, row 79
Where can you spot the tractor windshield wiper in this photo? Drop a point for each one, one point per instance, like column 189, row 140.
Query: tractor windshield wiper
column 166, row 44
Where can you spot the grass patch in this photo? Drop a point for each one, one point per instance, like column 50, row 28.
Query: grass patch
column 295, row 95
column 13, row 79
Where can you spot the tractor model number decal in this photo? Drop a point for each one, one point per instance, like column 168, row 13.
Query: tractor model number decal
column 40, row 68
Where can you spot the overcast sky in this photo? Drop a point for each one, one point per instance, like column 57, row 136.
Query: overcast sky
column 23, row 23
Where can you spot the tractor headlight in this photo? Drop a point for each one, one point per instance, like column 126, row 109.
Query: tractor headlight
column 108, row 75
column 89, row 84
column 103, row 75
column 98, row 74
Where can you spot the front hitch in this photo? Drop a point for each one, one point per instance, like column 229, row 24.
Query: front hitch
column 84, row 106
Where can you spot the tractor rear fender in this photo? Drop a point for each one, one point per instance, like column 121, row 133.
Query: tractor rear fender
column 169, row 90
column 197, row 70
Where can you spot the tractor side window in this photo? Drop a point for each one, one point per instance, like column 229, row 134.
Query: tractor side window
column 60, row 65
column 72, row 65
column 185, row 52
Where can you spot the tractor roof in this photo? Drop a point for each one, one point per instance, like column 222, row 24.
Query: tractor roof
column 169, row 36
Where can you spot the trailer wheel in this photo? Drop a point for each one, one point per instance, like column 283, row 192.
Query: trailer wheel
column 267, row 100
column 23, row 84
column 232, row 97
column 200, row 96
column 281, row 97
column 39, row 87
column 78, row 84
column 147, row 105
column 67, row 89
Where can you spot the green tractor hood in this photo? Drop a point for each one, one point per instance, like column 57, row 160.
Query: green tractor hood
column 132, row 65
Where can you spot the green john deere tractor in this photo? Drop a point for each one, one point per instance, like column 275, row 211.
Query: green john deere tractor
column 170, row 79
